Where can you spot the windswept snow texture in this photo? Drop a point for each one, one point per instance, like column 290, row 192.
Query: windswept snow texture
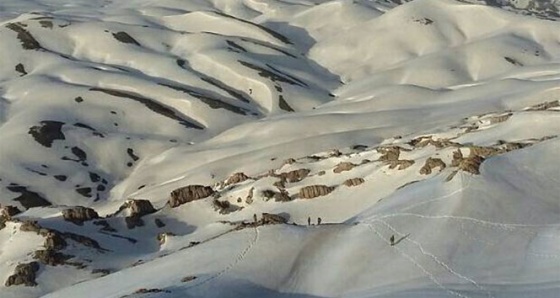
column 279, row 148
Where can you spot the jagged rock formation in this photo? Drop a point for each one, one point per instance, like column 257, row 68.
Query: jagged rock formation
column 272, row 219
column 78, row 214
column 354, row 182
column 24, row 274
column 188, row 194
column 313, row 191
column 430, row 164
column 236, row 178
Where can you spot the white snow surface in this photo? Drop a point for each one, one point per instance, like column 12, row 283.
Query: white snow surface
column 103, row 101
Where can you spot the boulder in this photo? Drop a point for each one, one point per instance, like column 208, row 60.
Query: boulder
column 139, row 208
column 430, row 164
column 295, row 175
column 343, row 166
column 9, row 211
column 54, row 241
column 24, row 274
column 313, row 191
column 50, row 257
column 188, row 194
column 353, row 182
column 236, row 178
column 272, row 219
column 78, row 214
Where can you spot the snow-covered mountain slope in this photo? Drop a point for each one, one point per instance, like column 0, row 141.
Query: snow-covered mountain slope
column 275, row 148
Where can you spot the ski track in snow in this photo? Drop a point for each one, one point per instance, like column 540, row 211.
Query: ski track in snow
column 436, row 259
column 417, row 264
column 240, row 257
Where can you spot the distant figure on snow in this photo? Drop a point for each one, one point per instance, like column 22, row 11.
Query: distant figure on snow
column 255, row 218
column 318, row 220
column 309, row 221
column 392, row 240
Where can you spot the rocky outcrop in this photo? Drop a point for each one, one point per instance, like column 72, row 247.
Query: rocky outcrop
column 343, row 166
column 24, row 274
column 313, row 191
column 424, row 141
column 295, row 175
column 188, row 194
column 139, row 208
column 430, row 164
column 390, row 156
column 225, row 207
column 54, row 241
column 78, row 215
column 272, row 219
column 469, row 164
column 354, row 182
column 136, row 209
column 51, row 257
column 236, row 178
column 9, row 211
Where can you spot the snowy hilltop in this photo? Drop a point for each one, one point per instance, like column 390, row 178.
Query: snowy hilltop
column 279, row 148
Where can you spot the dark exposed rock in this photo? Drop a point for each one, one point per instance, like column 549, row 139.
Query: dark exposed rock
column 272, row 219
column 30, row 226
column 354, row 182
column 424, row 141
column 289, row 161
column 21, row 69
column 138, row 208
column 125, row 38
column 147, row 291
column 500, row 118
column 28, row 199
column 282, row 196
column 267, row 193
column 47, row 132
column 432, row 163
column 101, row 271
column 9, row 211
column 400, row 164
column 54, row 241
column 389, row 153
column 24, row 274
column 343, row 166
column 313, row 191
column 84, row 240
column 225, row 207
column 545, row 106
column 295, row 175
column 152, row 105
column 51, row 257
column 28, row 42
column 469, row 164
column 236, row 178
column 188, row 278
column 188, row 194
column 79, row 214
column 284, row 105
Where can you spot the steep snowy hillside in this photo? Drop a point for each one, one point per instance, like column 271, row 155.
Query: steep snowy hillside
column 275, row 148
